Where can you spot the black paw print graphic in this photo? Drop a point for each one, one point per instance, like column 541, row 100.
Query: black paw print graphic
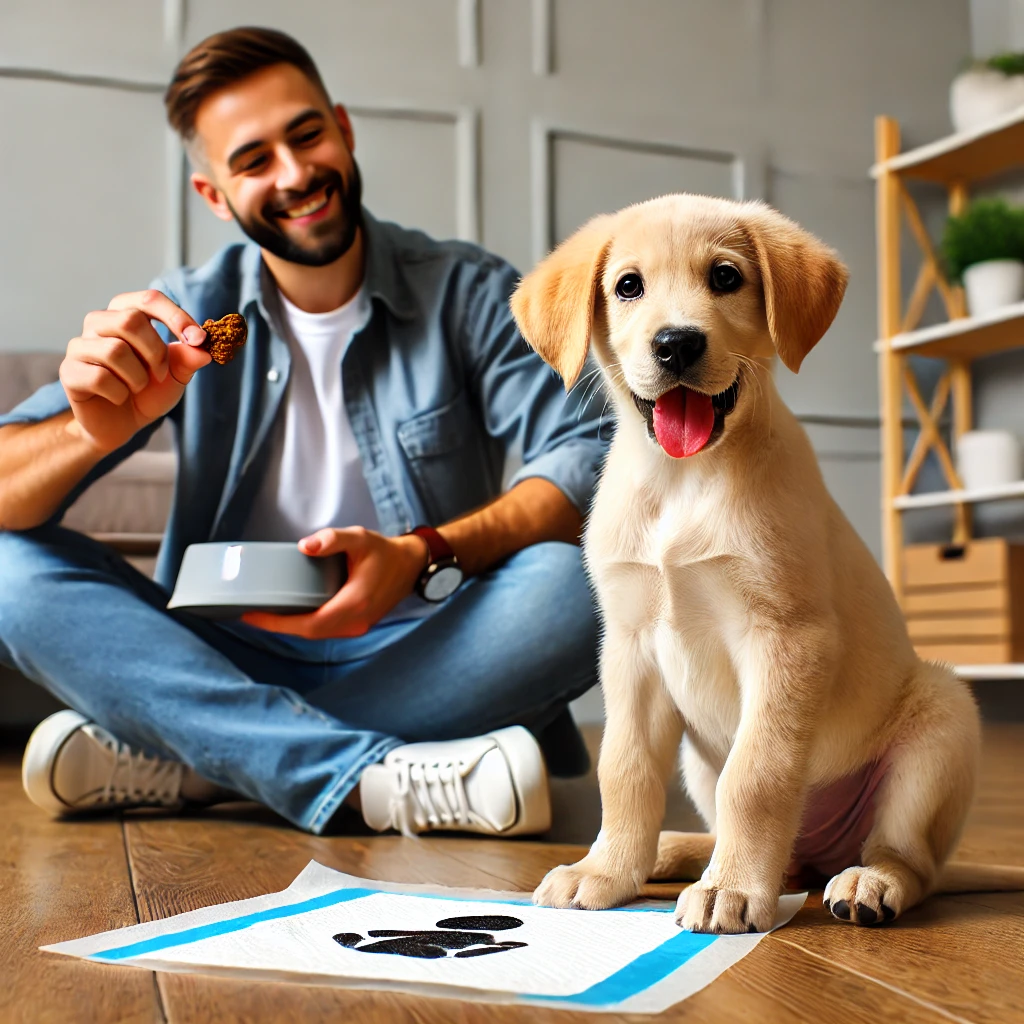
column 453, row 934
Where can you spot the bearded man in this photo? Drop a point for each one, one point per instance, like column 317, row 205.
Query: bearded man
column 381, row 395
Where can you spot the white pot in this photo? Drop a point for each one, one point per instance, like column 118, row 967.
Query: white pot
column 988, row 458
column 982, row 95
column 993, row 284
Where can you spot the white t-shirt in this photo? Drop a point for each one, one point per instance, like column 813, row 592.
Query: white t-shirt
column 314, row 474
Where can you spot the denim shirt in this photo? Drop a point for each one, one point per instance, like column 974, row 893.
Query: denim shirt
column 440, row 389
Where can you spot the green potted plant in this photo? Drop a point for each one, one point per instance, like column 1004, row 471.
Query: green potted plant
column 984, row 248
column 986, row 90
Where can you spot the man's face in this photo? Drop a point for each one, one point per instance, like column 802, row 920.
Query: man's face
column 280, row 163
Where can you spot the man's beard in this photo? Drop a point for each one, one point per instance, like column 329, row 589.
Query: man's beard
column 331, row 239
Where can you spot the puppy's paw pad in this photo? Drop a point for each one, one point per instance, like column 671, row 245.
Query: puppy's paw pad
column 863, row 895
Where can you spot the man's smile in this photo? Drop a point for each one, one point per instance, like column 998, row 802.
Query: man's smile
column 309, row 207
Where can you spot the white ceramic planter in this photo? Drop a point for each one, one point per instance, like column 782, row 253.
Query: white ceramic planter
column 982, row 95
column 993, row 284
column 988, row 458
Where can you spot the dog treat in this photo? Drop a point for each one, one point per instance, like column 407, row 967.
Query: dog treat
column 224, row 337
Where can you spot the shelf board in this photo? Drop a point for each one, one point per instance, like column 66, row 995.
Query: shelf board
column 934, row 499
column 986, row 672
column 965, row 156
column 968, row 338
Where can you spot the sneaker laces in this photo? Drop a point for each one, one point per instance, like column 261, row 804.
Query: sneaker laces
column 137, row 778
column 429, row 795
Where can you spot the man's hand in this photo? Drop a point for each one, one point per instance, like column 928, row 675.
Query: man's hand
column 119, row 376
column 381, row 572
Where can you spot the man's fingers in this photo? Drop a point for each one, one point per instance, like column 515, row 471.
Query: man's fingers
column 330, row 541
column 184, row 360
column 83, row 381
column 134, row 328
column 111, row 354
column 157, row 306
column 345, row 614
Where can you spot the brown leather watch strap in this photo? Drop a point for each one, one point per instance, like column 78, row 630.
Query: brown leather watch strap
column 437, row 546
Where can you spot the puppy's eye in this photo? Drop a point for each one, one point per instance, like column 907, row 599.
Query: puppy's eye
column 629, row 286
column 725, row 278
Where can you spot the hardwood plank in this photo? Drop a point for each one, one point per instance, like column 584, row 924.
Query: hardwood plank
column 955, row 953
column 63, row 881
column 181, row 864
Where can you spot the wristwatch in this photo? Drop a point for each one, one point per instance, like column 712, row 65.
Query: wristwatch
column 443, row 574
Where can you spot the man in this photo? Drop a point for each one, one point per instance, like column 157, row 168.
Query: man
column 382, row 389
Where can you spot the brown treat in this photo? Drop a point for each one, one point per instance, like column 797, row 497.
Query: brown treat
column 224, row 337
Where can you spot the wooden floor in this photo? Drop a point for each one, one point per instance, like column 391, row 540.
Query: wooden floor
column 957, row 958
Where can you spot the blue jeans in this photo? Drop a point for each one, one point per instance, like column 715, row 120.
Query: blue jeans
column 290, row 722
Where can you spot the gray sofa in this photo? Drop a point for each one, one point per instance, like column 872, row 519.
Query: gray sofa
column 127, row 509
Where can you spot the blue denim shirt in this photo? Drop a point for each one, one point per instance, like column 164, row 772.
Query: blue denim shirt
column 439, row 386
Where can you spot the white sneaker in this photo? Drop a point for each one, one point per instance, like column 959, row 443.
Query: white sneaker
column 496, row 784
column 72, row 764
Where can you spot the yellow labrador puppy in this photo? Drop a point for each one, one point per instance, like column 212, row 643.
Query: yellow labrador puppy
column 744, row 619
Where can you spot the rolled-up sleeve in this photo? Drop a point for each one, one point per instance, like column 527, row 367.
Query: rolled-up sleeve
column 560, row 438
column 49, row 401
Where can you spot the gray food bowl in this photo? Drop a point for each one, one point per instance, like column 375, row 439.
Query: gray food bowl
column 225, row 580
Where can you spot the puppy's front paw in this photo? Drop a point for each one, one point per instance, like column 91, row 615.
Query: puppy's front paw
column 707, row 907
column 583, row 885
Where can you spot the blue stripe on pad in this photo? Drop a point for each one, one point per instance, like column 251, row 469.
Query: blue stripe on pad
column 640, row 974
column 233, row 924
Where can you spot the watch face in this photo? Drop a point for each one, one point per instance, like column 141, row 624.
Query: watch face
column 443, row 583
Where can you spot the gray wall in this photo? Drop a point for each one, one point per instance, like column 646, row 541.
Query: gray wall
column 502, row 121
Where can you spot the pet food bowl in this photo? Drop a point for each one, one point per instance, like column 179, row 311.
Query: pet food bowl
column 225, row 580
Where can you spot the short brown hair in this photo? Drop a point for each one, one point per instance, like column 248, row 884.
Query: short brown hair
column 226, row 58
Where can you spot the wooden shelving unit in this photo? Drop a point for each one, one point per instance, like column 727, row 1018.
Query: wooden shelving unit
column 956, row 163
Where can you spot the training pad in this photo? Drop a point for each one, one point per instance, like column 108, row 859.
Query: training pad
column 329, row 928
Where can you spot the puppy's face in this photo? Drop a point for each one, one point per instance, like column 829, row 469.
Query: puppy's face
column 685, row 299
column 679, row 312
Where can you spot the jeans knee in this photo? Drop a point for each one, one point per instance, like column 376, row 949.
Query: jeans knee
column 20, row 555
column 555, row 597
column 555, row 560
column 29, row 563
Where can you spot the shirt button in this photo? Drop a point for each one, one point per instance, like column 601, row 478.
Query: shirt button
column 273, row 375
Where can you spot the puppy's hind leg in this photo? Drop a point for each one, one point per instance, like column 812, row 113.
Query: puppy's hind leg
column 921, row 807
column 683, row 856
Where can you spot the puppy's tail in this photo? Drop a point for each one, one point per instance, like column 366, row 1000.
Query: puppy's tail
column 960, row 876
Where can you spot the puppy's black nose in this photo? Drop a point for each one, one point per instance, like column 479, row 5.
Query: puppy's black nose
column 677, row 348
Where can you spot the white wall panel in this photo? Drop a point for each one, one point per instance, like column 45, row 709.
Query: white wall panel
column 83, row 172
column 660, row 52
column 839, row 376
column 392, row 47
column 845, row 62
column 111, row 38
column 410, row 170
column 593, row 175
column 850, row 462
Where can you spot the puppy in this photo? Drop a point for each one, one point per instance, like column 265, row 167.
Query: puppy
column 744, row 619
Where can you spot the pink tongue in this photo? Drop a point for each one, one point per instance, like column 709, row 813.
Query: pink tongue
column 683, row 421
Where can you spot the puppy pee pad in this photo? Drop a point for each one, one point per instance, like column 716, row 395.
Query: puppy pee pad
column 329, row 928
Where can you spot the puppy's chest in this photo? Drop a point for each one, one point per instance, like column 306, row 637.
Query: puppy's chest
column 667, row 564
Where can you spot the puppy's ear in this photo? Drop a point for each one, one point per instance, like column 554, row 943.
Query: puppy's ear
column 554, row 304
column 803, row 282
